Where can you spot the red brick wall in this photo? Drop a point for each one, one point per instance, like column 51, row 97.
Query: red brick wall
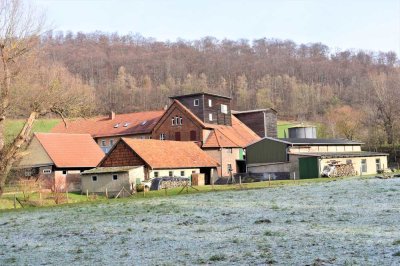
column 122, row 155
column 188, row 124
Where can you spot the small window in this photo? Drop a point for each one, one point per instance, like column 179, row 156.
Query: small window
column 196, row 102
column 176, row 120
column 115, row 177
column 103, row 143
column 116, row 125
column 94, row 178
column 46, row 171
column 209, row 103
column 180, row 120
column 182, row 173
column 349, row 161
column 210, row 117
column 64, row 172
column 378, row 164
column 193, row 172
column 173, row 121
column 162, row 136
column 224, row 109
column 155, row 174
column 111, row 142
column 143, row 123
column 171, row 173
column 364, row 165
column 28, row 172
column 229, row 167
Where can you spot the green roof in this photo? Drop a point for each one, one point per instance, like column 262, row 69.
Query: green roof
column 100, row 170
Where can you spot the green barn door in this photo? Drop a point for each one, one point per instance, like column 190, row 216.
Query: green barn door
column 308, row 167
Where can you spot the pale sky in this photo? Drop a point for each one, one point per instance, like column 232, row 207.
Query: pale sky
column 352, row 24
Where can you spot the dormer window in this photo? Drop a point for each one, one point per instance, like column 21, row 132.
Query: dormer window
column 126, row 124
column 143, row 123
column 196, row 102
column 209, row 103
column 116, row 125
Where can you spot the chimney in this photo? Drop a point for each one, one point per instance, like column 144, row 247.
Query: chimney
column 111, row 115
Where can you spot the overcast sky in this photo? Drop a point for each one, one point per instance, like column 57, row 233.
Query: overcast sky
column 369, row 25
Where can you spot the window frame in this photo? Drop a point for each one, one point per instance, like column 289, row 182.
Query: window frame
column 103, row 143
column 229, row 166
column 224, row 109
column 209, row 102
column 162, row 136
column 156, row 174
column 170, row 173
column 364, row 167
column 111, row 141
column 196, row 102
column 210, row 117
column 182, row 173
column 114, row 177
column 64, row 172
column 46, row 171
column 94, row 178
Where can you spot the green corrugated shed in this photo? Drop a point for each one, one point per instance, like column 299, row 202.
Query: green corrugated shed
column 309, row 167
column 266, row 151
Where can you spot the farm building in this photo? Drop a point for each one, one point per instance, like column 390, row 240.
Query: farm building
column 206, row 119
column 161, row 158
column 309, row 157
column 106, row 130
column 60, row 158
column 111, row 179
column 262, row 121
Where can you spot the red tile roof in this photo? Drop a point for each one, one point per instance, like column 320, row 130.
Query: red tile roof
column 128, row 124
column 170, row 154
column 71, row 150
column 237, row 135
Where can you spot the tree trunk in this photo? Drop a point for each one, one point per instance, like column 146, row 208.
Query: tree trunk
column 6, row 84
column 10, row 154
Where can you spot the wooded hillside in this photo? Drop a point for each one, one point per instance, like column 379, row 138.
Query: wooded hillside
column 302, row 81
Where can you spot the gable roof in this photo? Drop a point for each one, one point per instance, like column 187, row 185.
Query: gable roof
column 237, row 135
column 199, row 93
column 71, row 150
column 306, row 141
column 170, row 154
column 103, row 126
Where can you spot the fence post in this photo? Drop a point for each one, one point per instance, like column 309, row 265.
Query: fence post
column 15, row 203
column 106, row 193
column 294, row 177
column 87, row 194
column 269, row 179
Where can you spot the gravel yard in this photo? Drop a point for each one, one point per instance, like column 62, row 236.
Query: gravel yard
column 349, row 222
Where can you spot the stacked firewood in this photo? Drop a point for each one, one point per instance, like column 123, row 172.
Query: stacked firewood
column 173, row 182
column 343, row 170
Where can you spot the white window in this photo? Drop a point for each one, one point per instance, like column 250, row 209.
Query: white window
column 210, row 117
column 94, row 178
column 182, row 173
column 224, row 109
column 111, row 142
column 103, row 142
column 180, row 120
column 28, row 172
column 196, row 102
column 209, row 103
column 46, row 171
column 115, row 177
column 162, row 136
column 364, row 165
column 173, row 121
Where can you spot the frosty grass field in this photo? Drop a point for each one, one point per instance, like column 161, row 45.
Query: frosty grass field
column 349, row 221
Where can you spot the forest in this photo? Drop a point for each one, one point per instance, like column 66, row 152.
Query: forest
column 352, row 93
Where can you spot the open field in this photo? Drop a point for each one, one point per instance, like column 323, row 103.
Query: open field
column 348, row 221
column 14, row 126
